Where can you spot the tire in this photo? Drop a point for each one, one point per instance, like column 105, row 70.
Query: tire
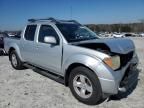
column 1, row 53
column 15, row 60
column 90, row 92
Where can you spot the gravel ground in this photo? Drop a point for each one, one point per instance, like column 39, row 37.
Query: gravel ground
column 28, row 89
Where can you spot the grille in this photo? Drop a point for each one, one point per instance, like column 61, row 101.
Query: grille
column 125, row 58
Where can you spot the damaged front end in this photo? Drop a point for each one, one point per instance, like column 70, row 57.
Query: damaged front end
column 120, row 51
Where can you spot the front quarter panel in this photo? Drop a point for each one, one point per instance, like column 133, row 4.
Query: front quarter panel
column 87, row 57
column 91, row 59
column 81, row 59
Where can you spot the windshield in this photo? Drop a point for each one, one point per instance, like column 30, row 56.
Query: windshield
column 75, row 33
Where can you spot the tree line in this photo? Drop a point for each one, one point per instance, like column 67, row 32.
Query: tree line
column 131, row 27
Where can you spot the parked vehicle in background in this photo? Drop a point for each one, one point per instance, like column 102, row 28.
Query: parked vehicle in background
column 131, row 35
column 2, row 36
column 118, row 35
column 11, row 34
column 102, row 35
column 142, row 35
column 68, row 52
column 128, row 35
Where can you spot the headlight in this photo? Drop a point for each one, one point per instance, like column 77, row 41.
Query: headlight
column 113, row 62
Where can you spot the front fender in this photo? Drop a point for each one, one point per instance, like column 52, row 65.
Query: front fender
column 105, row 74
column 86, row 60
column 95, row 64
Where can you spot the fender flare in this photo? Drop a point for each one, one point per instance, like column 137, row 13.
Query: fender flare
column 14, row 46
column 85, row 60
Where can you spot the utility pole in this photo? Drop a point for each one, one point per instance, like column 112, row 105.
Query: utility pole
column 120, row 27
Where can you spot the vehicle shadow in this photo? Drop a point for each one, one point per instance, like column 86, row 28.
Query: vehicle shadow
column 122, row 95
column 2, row 52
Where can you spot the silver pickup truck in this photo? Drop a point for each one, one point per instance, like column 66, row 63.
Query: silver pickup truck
column 70, row 53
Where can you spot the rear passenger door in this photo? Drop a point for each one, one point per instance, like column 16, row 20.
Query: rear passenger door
column 48, row 55
column 27, row 50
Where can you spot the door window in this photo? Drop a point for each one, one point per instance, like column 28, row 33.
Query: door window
column 47, row 30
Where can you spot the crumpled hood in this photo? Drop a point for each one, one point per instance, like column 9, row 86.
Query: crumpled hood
column 116, row 45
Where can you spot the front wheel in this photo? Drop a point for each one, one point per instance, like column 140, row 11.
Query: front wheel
column 85, row 86
column 15, row 60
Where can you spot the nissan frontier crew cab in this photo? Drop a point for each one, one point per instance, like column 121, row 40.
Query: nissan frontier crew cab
column 70, row 53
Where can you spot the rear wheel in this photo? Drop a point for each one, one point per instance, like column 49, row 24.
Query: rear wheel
column 85, row 86
column 15, row 60
column 1, row 53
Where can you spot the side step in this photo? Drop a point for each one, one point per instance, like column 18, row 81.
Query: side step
column 48, row 74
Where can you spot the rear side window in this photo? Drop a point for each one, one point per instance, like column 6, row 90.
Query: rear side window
column 30, row 32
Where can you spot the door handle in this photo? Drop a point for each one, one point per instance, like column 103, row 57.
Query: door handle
column 37, row 47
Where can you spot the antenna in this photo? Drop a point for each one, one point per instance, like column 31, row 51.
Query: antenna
column 71, row 10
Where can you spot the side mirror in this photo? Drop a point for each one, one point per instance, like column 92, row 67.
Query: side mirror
column 50, row 40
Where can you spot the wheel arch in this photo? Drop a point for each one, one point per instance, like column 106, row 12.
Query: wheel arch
column 70, row 68
column 16, row 48
column 79, row 60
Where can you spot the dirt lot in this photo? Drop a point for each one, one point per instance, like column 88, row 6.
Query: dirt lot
column 28, row 89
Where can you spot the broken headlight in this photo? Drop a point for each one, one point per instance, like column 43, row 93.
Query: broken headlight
column 113, row 62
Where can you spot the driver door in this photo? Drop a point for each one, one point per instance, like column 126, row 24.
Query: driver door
column 48, row 55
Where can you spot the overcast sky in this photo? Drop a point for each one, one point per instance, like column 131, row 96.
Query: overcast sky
column 14, row 13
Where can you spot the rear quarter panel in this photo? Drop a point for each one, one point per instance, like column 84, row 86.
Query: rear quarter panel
column 13, row 43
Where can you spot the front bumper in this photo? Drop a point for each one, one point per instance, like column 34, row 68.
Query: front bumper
column 111, row 80
column 130, row 77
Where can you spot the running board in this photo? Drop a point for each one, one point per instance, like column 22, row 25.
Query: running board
column 48, row 74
